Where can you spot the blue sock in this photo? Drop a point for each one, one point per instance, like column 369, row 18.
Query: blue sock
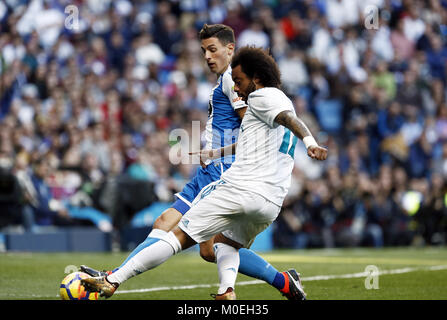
column 254, row 266
column 279, row 282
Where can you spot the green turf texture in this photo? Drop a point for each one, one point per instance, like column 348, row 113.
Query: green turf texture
column 38, row 275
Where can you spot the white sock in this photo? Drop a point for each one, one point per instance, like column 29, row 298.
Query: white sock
column 227, row 258
column 157, row 233
column 147, row 259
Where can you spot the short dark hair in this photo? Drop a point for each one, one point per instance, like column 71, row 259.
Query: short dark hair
column 258, row 63
column 224, row 33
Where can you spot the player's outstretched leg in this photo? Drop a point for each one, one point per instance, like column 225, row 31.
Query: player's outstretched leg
column 146, row 259
column 164, row 223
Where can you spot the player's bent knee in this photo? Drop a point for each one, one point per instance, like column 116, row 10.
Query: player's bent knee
column 159, row 224
column 167, row 220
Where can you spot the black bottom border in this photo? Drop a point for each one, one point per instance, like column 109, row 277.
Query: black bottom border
column 249, row 309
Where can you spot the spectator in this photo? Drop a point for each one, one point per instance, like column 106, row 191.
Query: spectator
column 436, row 58
column 254, row 35
column 47, row 210
column 235, row 18
column 293, row 71
column 402, row 46
column 168, row 36
column 385, row 80
column 342, row 13
column 11, row 196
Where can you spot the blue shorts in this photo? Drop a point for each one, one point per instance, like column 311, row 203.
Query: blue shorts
column 203, row 177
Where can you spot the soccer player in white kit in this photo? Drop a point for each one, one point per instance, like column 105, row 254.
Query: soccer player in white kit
column 249, row 195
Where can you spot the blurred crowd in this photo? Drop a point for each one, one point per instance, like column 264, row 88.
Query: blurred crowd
column 91, row 90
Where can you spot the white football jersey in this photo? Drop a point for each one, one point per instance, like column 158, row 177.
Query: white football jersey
column 264, row 153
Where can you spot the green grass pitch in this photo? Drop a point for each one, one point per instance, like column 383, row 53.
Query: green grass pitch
column 332, row 274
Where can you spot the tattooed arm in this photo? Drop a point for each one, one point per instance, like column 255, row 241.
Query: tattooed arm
column 293, row 123
column 299, row 129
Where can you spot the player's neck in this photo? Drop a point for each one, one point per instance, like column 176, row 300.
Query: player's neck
column 223, row 70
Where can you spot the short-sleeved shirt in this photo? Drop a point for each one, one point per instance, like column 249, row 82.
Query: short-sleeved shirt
column 264, row 153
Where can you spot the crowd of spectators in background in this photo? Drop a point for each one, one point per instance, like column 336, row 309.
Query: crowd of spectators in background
column 90, row 96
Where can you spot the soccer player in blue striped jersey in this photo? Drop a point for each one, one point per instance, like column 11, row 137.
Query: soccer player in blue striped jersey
column 226, row 109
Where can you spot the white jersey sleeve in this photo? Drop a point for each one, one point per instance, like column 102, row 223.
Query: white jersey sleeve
column 228, row 90
column 267, row 103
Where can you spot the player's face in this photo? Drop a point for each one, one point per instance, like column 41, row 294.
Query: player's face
column 243, row 85
column 217, row 55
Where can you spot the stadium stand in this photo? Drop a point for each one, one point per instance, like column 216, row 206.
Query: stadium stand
column 94, row 88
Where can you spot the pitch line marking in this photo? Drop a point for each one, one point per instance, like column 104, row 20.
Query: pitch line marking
column 304, row 279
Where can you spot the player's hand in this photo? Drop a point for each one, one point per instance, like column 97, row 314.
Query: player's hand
column 204, row 155
column 317, row 152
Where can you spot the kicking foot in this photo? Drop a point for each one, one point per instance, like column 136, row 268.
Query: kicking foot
column 100, row 284
column 93, row 272
column 293, row 290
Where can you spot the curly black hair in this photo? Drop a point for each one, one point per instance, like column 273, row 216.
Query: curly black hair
column 258, row 63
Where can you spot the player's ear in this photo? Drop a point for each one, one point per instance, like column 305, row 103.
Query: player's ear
column 230, row 48
column 256, row 80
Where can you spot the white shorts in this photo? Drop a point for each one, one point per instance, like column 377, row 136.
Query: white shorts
column 222, row 208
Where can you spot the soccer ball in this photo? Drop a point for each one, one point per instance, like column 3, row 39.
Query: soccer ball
column 71, row 288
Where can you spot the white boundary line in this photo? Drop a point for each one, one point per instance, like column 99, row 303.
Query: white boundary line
column 304, row 279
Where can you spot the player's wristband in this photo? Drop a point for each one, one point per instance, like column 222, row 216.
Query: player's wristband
column 309, row 141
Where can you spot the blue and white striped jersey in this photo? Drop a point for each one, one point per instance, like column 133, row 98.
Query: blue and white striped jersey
column 222, row 127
